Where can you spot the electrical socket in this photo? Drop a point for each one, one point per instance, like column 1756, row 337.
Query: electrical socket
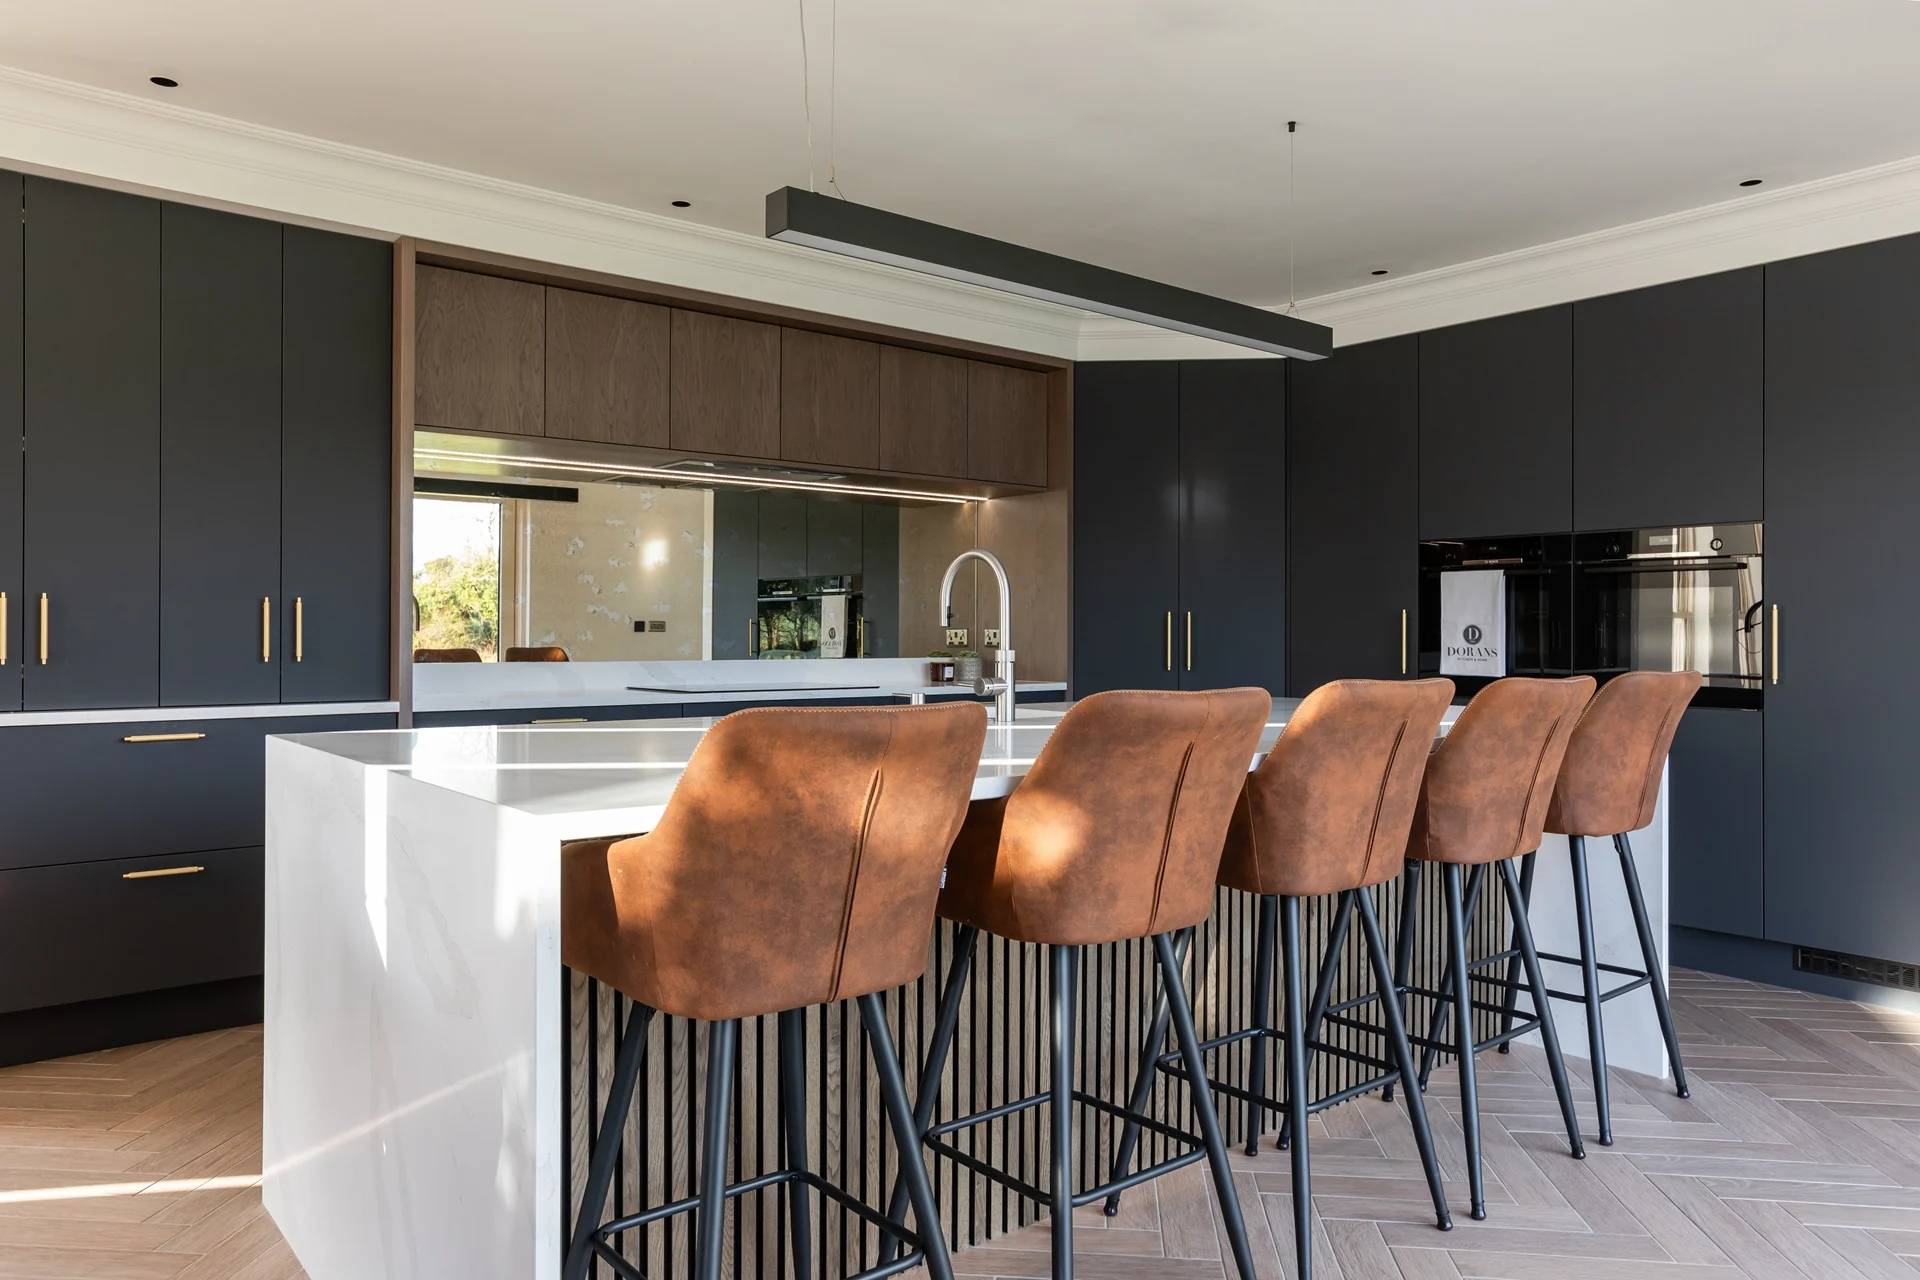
column 957, row 636
column 990, row 637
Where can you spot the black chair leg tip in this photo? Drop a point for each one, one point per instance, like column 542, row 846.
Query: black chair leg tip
column 1684, row 1092
column 1506, row 1048
column 1580, row 1152
column 1480, row 1213
column 1113, row 1208
column 1445, row 1223
column 1253, row 1147
column 1606, row 1139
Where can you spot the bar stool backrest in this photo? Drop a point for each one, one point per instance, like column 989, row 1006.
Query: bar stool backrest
column 447, row 655
column 1490, row 781
column 1610, row 780
column 798, row 863
column 1330, row 807
column 1116, row 830
column 535, row 653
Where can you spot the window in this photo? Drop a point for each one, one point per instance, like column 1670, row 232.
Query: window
column 456, row 575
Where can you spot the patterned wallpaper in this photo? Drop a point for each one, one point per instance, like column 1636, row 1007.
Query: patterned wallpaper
column 623, row 554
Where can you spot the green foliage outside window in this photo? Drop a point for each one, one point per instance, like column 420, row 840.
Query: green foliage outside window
column 457, row 603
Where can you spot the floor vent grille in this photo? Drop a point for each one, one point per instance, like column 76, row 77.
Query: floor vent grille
column 1837, row 964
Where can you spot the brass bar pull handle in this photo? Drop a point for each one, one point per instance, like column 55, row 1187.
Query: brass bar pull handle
column 561, row 720
column 753, row 637
column 1189, row 639
column 163, row 871
column 1403, row 642
column 3, row 628
column 1776, row 644
column 43, row 628
column 266, row 628
column 1169, row 641
column 163, row 737
column 299, row 629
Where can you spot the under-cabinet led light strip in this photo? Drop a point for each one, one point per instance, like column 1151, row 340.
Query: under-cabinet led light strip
column 664, row 473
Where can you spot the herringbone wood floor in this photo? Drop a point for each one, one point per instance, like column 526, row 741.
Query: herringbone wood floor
column 1797, row 1156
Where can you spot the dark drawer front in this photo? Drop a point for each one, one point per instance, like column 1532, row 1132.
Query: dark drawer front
column 86, row 931
column 83, row 792
column 544, row 716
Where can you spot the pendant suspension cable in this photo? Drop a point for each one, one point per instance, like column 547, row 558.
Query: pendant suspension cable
column 806, row 93
column 833, row 93
column 1293, row 127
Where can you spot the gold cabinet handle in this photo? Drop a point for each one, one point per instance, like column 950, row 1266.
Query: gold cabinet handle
column 3, row 628
column 163, row 737
column 1189, row 640
column 1403, row 642
column 1169, row 640
column 1775, row 664
column 299, row 629
column 163, row 871
column 266, row 628
column 43, row 628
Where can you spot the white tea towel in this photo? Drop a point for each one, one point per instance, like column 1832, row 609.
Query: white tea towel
column 1473, row 623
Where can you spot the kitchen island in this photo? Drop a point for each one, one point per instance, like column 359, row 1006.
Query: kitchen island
column 432, row 1070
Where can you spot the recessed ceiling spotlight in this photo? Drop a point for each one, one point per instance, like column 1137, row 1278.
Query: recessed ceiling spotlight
column 1752, row 182
column 165, row 82
column 683, row 204
column 1380, row 271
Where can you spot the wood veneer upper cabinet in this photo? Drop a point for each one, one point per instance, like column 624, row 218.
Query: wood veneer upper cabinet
column 923, row 412
column 725, row 386
column 1006, row 424
column 480, row 353
column 606, row 369
column 829, row 399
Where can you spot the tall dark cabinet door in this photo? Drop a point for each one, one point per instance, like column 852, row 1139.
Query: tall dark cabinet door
column 1232, row 628
column 1126, row 530
column 1843, row 465
column 1667, row 415
column 219, row 457
column 12, row 460
column 92, row 407
column 1496, row 426
column 336, row 445
column 736, row 571
column 1353, row 532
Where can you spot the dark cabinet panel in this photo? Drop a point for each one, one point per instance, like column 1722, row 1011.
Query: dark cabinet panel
column 91, row 930
column 1842, row 466
column 1126, row 527
column 829, row 399
column 606, row 369
column 725, row 386
column 12, row 459
column 1496, row 430
column 923, row 412
column 834, row 537
column 1006, row 424
column 783, row 535
column 337, row 467
column 736, row 571
column 880, row 578
column 219, row 457
column 1352, row 514
column 1715, row 865
column 530, row 716
column 480, row 353
column 92, row 410
column 1667, row 414
column 1233, row 544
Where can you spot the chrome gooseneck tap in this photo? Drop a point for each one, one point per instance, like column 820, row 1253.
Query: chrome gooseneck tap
column 1001, row 686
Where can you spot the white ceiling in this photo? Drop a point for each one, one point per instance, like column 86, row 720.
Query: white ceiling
column 1147, row 137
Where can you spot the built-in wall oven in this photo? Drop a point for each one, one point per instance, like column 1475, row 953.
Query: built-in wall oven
column 1537, row 584
column 1673, row 599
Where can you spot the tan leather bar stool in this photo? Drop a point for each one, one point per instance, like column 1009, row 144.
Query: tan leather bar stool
column 1326, row 813
column 446, row 655
column 1483, row 803
column 1114, row 834
column 797, row 864
column 1610, row 785
column 534, row 653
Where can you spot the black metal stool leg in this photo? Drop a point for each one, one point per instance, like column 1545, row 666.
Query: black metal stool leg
column 906, row 1133
column 715, row 1123
column 1463, row 1038
column 1650, row 956
column 606, row 1144
column 1549, row 1037
column 1403, row 1056
column 1297, row 1096
column 1066, row 982
column 1196, row 1072
column 793, row 1106
column 1403, row 946
column 1513, row 965
column 945, row 1024
column 1428, row 1054
column 1143, row 1077
column 1323, row 990
column 1261, row 1019
column 1590, row 985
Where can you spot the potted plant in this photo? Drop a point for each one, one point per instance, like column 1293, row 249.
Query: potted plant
column 966, row 666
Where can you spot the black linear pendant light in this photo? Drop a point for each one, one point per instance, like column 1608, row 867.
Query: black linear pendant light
column 840, row 226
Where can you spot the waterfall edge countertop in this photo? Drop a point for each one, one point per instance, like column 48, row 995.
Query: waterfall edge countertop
column 415, row 1097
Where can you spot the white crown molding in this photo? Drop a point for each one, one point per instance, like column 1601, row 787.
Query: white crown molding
column 1810, row 217
column 63, row 129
